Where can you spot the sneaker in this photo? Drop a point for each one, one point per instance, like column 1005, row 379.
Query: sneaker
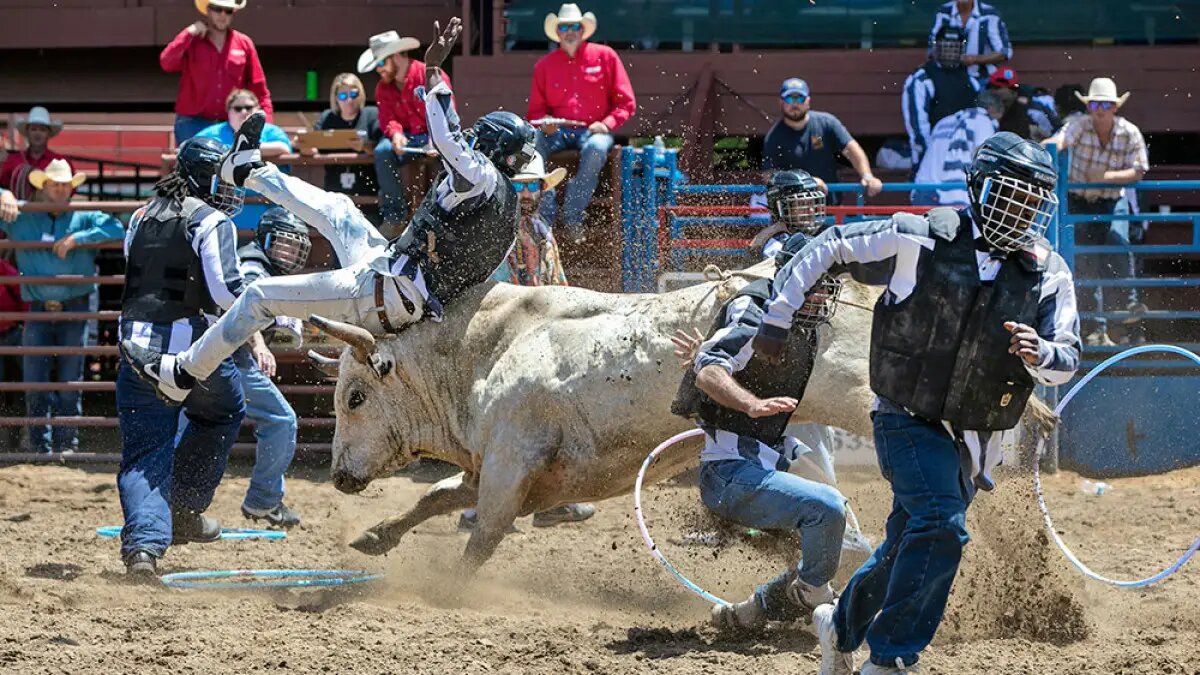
column 141, row 567
column 810, row 597
column 469, row 518
column 189, row 526
column 744, row 615
column 1099, row 338
column 833, row 662
column 870, row 668
column 278, row 516
column 161, row 371
column 244, row 157
column 567, row 513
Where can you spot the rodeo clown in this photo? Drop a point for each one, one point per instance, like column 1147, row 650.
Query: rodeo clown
column 977, row 309
column 457, row 237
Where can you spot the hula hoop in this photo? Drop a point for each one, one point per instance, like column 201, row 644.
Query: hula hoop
column 226, row 533
column 641, row 521
column 1037, row 477
column 267, row 579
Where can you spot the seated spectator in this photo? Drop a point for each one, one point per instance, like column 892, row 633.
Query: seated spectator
column 585, row 88
column 348, row 110
column 240, row 104
column 66, row 230
column 1022, row 117
column 1105, row 148
column 987, row 36
column 37, row 129
column 811, row 140
column 938, row 89
column 951, row 149
column 214, row 59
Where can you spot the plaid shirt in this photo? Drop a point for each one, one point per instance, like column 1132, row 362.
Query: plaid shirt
column 1126, row 150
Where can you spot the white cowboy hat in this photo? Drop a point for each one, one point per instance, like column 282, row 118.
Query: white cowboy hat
column 1103, row 89
column 235, row 5
column 569, row 13
column 536, row 168
column 39, row 115
column 58, row 171
column 382, row 46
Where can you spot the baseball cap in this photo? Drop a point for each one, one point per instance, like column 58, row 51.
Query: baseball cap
column 1004, row 78
column 793, row 85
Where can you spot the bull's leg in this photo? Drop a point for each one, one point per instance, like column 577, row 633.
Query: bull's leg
column 504, row 483
column 450, row 494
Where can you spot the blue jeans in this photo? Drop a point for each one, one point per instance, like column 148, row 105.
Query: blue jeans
column 746, row 493
column 61, row 368
column 156, row 473
column 274, row 430
column 895, row 601
column 593, row 154
column 187, row 126
column 1103, row 265
column 393, row 206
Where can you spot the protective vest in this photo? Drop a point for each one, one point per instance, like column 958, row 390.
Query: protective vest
column 164, row 278
column 942, row 353
column 789, row 377
column 461, row 248
column 952, row 91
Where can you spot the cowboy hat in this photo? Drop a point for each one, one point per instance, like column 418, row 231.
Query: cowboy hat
column 58, row 171
column 535, row 168
column 1103, row 89
column 569, row 13
column 39, row 115
column 235, row 5
column 382, row 46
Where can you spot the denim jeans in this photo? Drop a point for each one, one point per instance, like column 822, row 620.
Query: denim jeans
column 156, row 473
column 895, row 601
column 1102, row 265
column 593, row 154
column 61, row 368
column 746, row 493
column 187, row 126
column 393, row 206
column 274, row 431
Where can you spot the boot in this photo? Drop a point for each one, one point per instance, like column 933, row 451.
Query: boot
column 141, row 567
column 189, row 526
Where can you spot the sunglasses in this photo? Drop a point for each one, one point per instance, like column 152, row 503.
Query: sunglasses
column 530, row 186
column 347, row 95
column 1101, row 105
column 242, row 108
column 220, row 10
column 795, row 98
column 567, row 27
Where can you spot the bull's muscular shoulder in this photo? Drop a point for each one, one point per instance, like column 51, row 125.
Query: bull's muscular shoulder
column 942, row 223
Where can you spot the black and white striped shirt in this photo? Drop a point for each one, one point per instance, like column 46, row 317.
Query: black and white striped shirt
column 915, row 101
column 985, row 31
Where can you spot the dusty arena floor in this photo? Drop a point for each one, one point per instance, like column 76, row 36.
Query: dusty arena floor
column 577, row 599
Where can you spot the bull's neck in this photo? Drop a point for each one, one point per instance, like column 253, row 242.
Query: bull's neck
column 428, row 421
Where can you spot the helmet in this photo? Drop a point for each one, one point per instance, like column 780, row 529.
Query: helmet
column 820, row 302
column 198, row 164
column 505, row 139
column 1011, row 181
column 284, row 239
column 795, row 199
column 947, row 47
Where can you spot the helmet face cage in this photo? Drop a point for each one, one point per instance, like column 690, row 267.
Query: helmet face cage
column 948, row 51
column 819, row 304
column 287, row 251
column 225, row 197
column 802, row 211
column 1013, row 213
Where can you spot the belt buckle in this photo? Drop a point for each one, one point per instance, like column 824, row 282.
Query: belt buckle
column 52, row 306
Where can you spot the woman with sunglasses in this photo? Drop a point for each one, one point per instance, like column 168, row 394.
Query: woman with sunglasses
column 348, row 109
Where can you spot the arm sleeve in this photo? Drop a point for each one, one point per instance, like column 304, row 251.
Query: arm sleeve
column 998, row 36
column 100, row 227
column 468, row 168
column 214, row 239
column 275, row 134
column 1070, row 133
column 730, row 346
column 389, row 104
column 537, row 99
column 256, row 81
column 915, row 104
column 938, row 18
column 1058, row 326
column 623, row 102
column 841, row 136
column 1138, row 157
column 175, row 53
column 371, row 122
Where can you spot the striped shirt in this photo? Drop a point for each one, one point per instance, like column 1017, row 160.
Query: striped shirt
column 951, row 148
column 985, row 32
column 1126, row 149
column 916, row 102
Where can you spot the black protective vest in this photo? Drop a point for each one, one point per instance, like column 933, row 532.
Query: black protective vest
column 164, row 278
column 952, row 91
column 468, row 245
column 942, row 353
column 789, row 377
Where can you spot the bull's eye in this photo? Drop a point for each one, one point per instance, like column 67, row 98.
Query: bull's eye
column 357, row 398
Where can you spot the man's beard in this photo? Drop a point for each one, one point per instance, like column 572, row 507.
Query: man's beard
column 529, row 207
column 795, row 117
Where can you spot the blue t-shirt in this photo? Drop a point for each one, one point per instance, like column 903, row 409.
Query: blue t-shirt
column 813, row 148
column 251, row 213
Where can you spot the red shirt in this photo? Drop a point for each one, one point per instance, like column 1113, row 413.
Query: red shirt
column 14, row 173
column 400, row 111
column 10, row 296
column 209, row 75
column 591, row 87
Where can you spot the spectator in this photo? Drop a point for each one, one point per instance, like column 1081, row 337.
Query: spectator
column 37, row 129
column 952, row 148
column 214, row 60
column 401, row 119
column 348, row 110
column 987, row 36
column 534, row 260
column 810, row 140
column 586, row 85
column 1021, row 117
column 10, row 331
column 938, row 89
column 1105, row 148
column 240, row 104
column 67, row 230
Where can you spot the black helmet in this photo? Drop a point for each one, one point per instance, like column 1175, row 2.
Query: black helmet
column 198, row 163
column 505, row 139
column 795, row 199
column 1011, row 181
column 284, row 239
column 947, row 47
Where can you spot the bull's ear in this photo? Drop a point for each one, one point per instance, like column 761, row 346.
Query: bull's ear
column 327, row 365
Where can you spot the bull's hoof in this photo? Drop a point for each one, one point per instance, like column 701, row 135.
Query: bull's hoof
column 372, row 544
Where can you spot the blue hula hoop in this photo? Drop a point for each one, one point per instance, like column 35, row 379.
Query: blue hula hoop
column 226, row 533
column 234, row 579
column 1037, row 478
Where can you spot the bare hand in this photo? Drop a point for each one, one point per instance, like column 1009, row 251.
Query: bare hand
column 265, row 359
column 199, row 29
column 8, row 207
column 64, row 246
column 686, row 346
column 399, row 142
column 873, row 185
column 598, row 128
column 969, row 59
column 443, row 42
column 765, row 407
column 821, row 183
column 549, row 129
column 1025, row 342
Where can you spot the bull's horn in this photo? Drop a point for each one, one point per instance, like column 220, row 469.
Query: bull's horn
column 325, row 364
column 362, row 343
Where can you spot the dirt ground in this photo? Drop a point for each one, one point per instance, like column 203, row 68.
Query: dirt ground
column 576, row 599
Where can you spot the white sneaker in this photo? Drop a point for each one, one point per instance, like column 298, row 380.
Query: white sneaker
column 870, row 668
column 833, row 662
column 245, row 156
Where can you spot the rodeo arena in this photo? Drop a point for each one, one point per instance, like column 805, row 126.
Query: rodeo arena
column 650, row 336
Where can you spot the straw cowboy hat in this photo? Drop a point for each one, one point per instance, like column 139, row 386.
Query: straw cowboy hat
column 39, row 115
column 383, row 46
column 569, row 13
column 57, row 171
column 1103, row 89
column 536, row 169
column 235, row 5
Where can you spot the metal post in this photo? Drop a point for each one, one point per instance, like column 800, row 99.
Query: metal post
column 629, row 215
column 647, row 231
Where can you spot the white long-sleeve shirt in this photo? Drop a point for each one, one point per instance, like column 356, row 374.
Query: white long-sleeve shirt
column 469, row 175
column 950, row 151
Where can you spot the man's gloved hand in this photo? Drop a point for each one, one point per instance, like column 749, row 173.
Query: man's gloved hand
column 770, row 342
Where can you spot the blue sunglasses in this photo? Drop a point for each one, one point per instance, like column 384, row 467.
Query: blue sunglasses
column 564, row 27
column 795, row 98
column 347, row 95
column 530, row 186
